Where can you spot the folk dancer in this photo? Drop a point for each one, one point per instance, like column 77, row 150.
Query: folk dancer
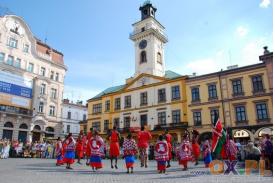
column 69, row 151
column 185, row 151
column 161, row 154
column 96, row 146
column 168, row 138
column 195, row 146
column 129, row 152
column 207, row 153
column 79, row 147
column 114, row 138
column 143, row 139
column 88, row 153
column 59, row 152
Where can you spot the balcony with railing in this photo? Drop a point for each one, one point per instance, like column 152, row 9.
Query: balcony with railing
column 171, row 126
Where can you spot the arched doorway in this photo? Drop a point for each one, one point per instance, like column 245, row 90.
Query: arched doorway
column 36, row 133
column 266, row 130
column 49, row 132
column 241, row 136
column 22, row 135
column 7, row 133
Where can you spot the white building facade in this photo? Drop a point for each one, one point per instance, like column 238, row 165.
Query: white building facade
column 72, row 114
column 33, row 111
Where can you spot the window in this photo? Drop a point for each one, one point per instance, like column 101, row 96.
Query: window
column 42, row 71
column 143, row 98
column 2, row 57
column 212, row 114
column 257, row 83
column 116, row 122
column 212, row 91
column 106, row 125
column 261, row 111
column 161, row 95
column 56, row 76
column 84, row 117
column 107, row 105
column 17, row 63
column 41, row 107
column 127, row 121
column 68, row 128
column 240, row 113
column 197, row 118
column 10, row 60
column 69, row 115
column 162, row 118
column 96, row 125
column 43, row 89
column 143, row 58
column 127, row 101
column 117, row 104
column 12, row 43
column 143, row 120
column 26, row 48
column 159, row 60
column 237, row 87
column 195, row 94
column 97, row 108
column 52, row 75
column 53, row 93
column 175, row 92
column 142, row 29
column 176, row 116
column 52, row 110
column 30, row 67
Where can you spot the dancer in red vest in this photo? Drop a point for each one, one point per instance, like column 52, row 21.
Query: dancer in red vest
column 114, row 138
column 69, row 151
column 143, row 143
column 161, row 154
column 168, row 138
column 59, row 152
column 195, row 146
column 97, row 147
column 79, row 147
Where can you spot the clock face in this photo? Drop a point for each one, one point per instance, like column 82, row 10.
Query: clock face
column 143, row 44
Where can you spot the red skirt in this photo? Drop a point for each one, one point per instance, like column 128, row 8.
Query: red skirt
column 196, row 150
column 169, row 151
column 161, row 165
column 114, row 149
column 79, row 153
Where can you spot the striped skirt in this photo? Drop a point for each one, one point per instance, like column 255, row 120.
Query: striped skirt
column 69, row 157
column 95, row 162
column 161, row 165
column 129, row 161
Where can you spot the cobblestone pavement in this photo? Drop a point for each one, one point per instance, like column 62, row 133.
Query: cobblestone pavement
column 45, row 171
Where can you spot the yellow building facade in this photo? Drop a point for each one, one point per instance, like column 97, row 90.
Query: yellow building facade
column 241, row 96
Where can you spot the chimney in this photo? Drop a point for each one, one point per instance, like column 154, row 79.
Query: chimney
column 266, row 51
column 66, row 101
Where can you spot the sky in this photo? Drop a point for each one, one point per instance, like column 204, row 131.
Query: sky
column 204, row 36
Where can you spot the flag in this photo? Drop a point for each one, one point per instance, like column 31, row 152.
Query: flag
column 218, row 135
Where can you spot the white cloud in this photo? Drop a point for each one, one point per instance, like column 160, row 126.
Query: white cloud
column 77, row 93
column 265, row 3
column 241, row 31
column 251, row 51
column 203, row 66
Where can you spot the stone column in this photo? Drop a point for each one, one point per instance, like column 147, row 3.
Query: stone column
column 179, row 137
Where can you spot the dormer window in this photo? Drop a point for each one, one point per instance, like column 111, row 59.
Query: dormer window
column 143, row 58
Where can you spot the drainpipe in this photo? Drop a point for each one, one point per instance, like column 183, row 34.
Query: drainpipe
column 219, row 75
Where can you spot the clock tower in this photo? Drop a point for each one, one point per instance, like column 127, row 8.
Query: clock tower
column 149, row 39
